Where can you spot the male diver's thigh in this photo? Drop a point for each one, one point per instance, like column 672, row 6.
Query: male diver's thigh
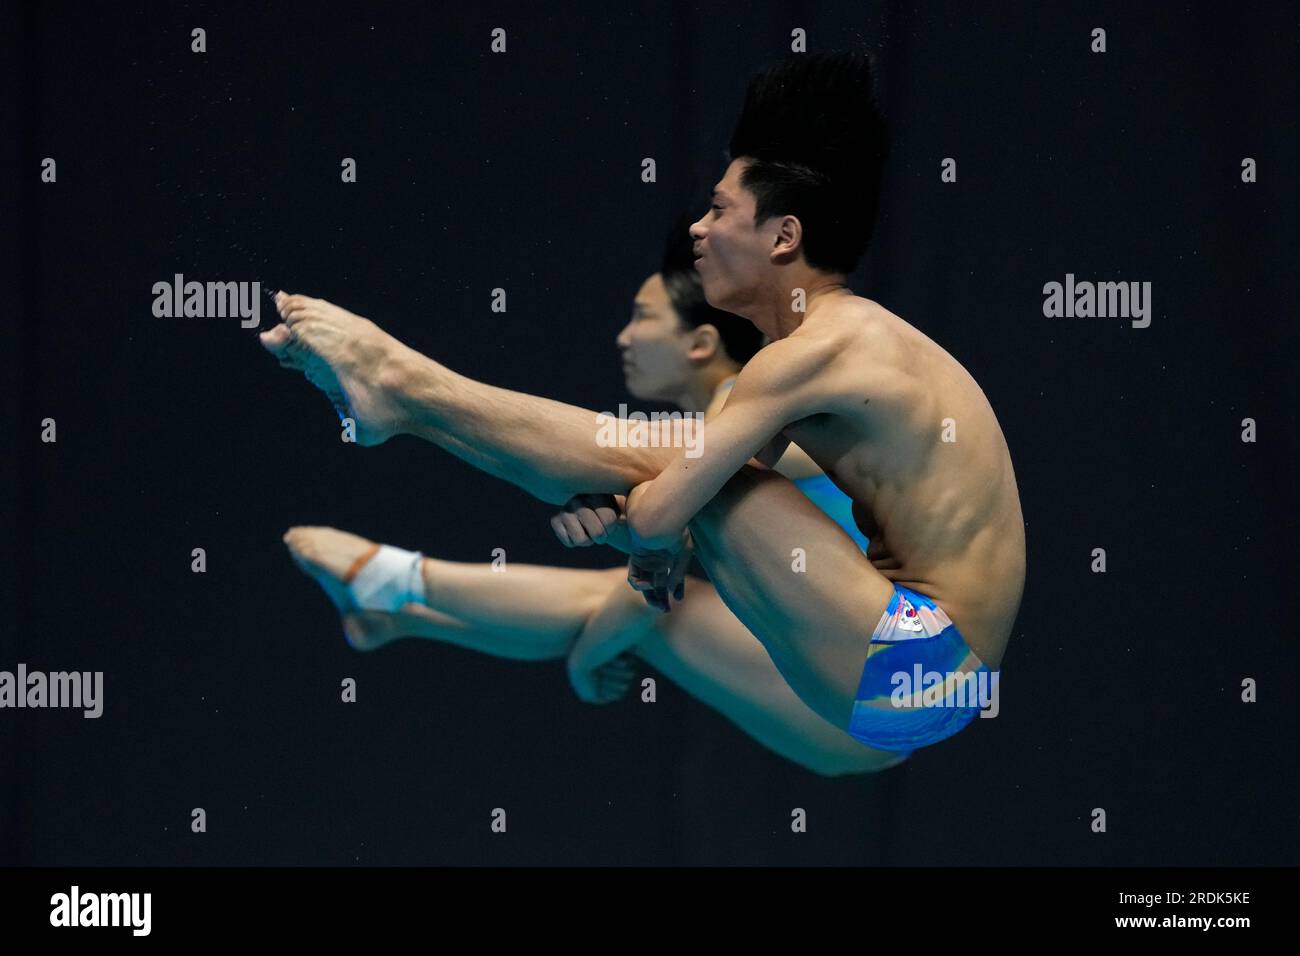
column 705, row 650
column 797, row 581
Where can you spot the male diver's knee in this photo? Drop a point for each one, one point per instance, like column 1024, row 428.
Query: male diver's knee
column 854, row 763
column 872, row 763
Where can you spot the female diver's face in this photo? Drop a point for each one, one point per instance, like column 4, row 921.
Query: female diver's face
column 656, row 346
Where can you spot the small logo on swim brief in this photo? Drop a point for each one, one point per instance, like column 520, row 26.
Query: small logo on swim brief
column 909, row 620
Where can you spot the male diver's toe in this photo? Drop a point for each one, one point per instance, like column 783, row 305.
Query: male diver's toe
column 274, row 338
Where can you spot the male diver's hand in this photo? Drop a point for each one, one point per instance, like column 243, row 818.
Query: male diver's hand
column 660, row 576
column 593, row 519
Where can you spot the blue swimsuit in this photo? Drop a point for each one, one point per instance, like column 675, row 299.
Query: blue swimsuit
column 921, row 683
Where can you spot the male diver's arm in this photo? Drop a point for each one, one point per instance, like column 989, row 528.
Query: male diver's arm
column 769, row 455
column 551, row 450
column 795, row 464
column 779, row 385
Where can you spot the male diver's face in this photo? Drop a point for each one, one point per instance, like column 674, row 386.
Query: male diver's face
column 732, row 253
column 655, row 345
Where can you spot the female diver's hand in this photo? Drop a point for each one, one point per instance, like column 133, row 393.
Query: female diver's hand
column 593, row 519
column 601, row 683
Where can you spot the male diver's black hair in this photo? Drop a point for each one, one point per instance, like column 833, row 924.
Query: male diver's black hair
column 740, row 337
column 816, row 143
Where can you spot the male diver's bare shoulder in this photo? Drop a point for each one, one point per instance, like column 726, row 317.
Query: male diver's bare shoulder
column 852, row 319
column 866, row 372
column 864, row 341
column 872, row 322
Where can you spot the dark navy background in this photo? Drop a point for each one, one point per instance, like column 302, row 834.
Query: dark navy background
column 522, row 171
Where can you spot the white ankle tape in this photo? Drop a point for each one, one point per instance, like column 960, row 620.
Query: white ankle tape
column 390, row 579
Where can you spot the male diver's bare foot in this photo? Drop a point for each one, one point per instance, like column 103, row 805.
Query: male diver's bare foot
column 330, row 556
column 347, row 357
